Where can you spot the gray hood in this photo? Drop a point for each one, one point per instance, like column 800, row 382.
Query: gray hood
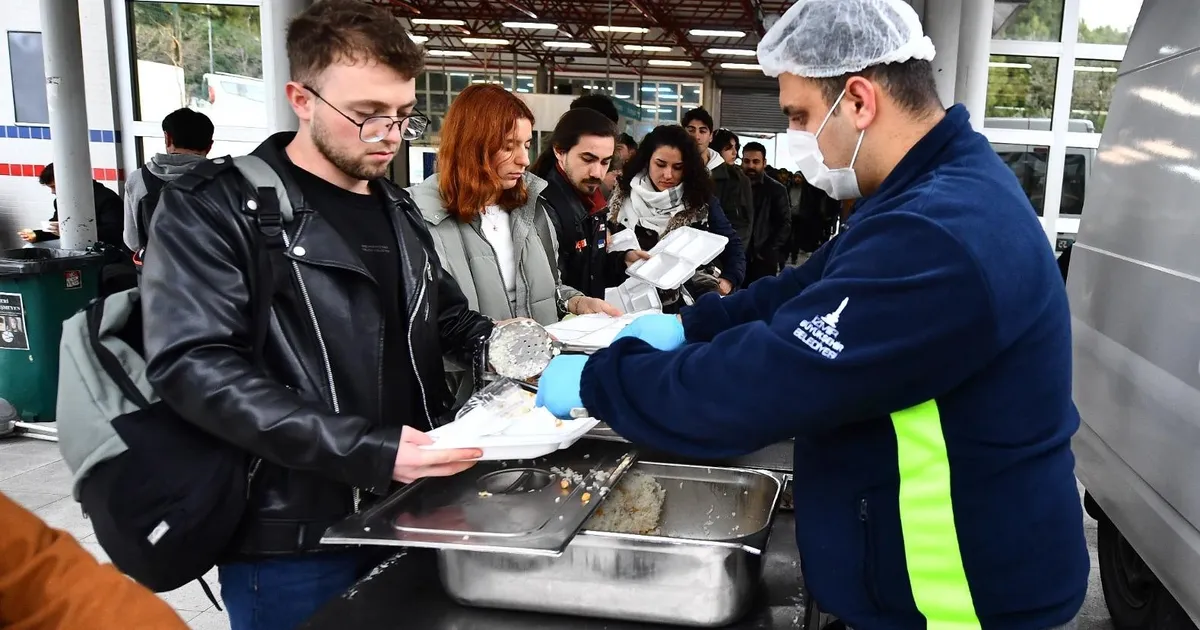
column 429, row 199
column 169, row 166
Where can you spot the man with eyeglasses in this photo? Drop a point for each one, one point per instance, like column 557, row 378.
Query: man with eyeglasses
column 361, row 316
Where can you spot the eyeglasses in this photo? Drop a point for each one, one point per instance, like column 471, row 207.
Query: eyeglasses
column 376, row 128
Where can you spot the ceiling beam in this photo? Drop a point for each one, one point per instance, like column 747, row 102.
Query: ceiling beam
column 754, row 13
column 652, row 12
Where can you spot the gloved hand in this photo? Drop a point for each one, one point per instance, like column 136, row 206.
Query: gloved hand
column 558, row 387
column 664, row 332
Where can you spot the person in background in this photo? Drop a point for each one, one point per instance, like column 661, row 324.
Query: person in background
column 626, row 148
column 600, row 103
column 920, row 361
column 490, row 225
column 728, row 145
column 733, row 187
column 362, row 316
column 188, row 135
column 581, row 149
column 109, row 215
column 49, row 582
column 772, row 217
column 666, row 187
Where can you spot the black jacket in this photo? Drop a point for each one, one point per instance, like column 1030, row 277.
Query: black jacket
column 197, row 299
column 583, row 256
column 772, row 221
column 110, row 218
column 737, row 200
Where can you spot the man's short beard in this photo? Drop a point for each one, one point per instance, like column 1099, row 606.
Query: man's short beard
column 356, row 168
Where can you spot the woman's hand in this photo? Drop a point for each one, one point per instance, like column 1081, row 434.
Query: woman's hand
column 724, row 287
column 583, row 305
column 635, row 255
column 27, row 235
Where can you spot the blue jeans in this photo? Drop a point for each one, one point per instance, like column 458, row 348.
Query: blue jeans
column 282, row 593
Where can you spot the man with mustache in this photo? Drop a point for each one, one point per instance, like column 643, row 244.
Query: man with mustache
column 580, row 152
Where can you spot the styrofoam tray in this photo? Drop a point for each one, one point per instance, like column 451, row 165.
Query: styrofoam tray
column 677, row 257
column 510, row 445
column 589, row 333
column 634, row 296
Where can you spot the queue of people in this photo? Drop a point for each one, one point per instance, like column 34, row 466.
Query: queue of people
column 919, row 361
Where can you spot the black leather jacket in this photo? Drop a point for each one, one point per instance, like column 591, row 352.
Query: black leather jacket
column 772, row 220
column 317, row 464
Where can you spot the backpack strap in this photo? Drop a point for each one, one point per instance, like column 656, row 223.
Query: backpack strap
column 154, row 185
column 94, row 315
column 271, row 209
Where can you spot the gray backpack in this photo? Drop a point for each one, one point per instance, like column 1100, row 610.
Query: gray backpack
column 164, row 497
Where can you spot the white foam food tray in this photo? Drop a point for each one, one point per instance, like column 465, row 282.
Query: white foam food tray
column 677, row 257
column 589, row 333
column 535, row 435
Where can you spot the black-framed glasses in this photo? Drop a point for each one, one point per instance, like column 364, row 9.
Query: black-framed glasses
column 376, row 128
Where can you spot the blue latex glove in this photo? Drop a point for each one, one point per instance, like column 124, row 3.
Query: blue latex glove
column 558, row 387
column 664, row 332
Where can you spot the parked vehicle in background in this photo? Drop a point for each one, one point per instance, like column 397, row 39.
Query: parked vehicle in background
column 1134, row 286
column 232, row 100
column 1030, row 165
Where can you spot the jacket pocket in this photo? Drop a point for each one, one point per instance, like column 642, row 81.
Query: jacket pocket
column 870, row 553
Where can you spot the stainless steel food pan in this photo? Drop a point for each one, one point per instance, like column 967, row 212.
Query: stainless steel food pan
column 703, row 570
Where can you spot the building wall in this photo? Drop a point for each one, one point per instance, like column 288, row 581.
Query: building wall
column 25, row 148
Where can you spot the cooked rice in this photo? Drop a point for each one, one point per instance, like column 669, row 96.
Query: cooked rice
column 634, row 506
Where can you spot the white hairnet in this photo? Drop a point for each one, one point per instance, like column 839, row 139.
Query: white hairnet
column 829, row 38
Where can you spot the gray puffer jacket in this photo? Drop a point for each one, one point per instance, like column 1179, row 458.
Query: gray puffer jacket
column 466, row 254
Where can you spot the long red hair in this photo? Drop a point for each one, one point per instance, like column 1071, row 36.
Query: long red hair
column 475, row 129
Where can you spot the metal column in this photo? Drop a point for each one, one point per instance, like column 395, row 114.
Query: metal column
column 63, row 54
column 943, row 19
column 975, row 39
column 274, row 19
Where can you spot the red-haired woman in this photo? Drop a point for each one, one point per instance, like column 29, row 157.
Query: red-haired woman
column 488, row 222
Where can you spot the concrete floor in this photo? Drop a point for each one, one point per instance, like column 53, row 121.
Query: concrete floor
column 33, row 474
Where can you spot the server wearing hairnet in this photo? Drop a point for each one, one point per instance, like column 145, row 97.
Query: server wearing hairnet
column 921, row 360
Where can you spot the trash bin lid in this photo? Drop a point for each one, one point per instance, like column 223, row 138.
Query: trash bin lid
column 32, row 261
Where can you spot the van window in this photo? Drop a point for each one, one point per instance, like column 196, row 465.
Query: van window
column 1031, row 168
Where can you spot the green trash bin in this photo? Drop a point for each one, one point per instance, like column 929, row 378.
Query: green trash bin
column 39, row 289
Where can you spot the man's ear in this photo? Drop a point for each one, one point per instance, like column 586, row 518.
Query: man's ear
column 861, row 101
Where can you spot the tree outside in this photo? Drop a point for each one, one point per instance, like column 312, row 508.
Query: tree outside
column 200, row 39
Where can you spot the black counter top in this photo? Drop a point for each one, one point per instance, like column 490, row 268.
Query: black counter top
column 407, row 593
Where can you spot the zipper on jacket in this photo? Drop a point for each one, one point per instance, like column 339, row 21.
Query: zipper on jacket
column 528, row 296
column 425, row 275
column 312, row 314
column 254, row 465
column 868, row 554
column 496, row 256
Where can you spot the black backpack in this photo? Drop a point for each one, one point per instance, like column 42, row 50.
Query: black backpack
column 165, row 498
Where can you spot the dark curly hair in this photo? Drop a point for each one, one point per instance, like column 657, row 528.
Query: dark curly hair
column 698, row 185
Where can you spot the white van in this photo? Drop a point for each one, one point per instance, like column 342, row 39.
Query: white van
column 1134, row 286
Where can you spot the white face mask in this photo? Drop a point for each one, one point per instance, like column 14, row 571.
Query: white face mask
column 839, row 183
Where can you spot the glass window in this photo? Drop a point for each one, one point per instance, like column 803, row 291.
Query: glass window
column 649, row 92
column 204, row 56
column 421, row 101
column 459, row 81
column 668, row 115
column 1107, row 21
column 1075, row 175
column 626, row 90
column 691, row 94
column 1021, row 90
column 1029, row 164
column 668, row 92
column 28, row 77
column 1092, row 93
column 1039, row 20
column 438, row 103
column 422, row 82
column 437, row 81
